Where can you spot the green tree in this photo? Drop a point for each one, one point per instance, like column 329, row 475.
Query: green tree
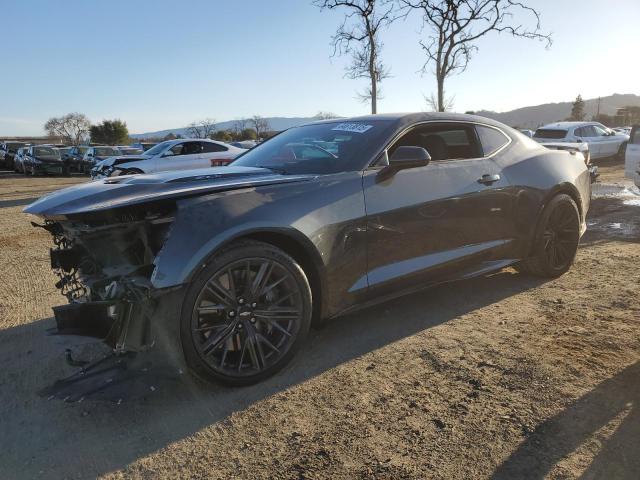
column 577, row 110
column 222, row 136
column 248, row 134
column 110, row 132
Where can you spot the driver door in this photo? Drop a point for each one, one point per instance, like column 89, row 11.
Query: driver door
column 426, row 223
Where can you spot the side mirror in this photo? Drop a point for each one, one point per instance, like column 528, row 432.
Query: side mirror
column 409, row 157
column 402, row 159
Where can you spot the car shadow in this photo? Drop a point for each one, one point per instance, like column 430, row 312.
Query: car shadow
column 92, row 438
column 619, row 456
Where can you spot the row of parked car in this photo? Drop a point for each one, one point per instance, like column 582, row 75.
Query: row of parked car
column 104, row 160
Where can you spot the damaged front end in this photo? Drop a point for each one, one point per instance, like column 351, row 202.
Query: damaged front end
column 104, row 262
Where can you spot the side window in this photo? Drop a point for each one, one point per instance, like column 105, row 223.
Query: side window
column 176, row 150
column 210, row 147
column 192, row 148
column 579, row 132
column 589, row 131
column 599, row 131
column 491, row 139
column 448, row 141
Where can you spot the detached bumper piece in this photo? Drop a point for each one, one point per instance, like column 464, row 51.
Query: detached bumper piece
column 116, row 378
column 593, row 172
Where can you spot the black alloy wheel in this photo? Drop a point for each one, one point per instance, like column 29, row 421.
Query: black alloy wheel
column 556, row 242
column 248, row 313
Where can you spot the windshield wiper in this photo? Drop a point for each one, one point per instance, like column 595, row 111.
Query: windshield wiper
column 279, row 170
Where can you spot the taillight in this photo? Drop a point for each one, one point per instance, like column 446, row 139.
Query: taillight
column 220, row 162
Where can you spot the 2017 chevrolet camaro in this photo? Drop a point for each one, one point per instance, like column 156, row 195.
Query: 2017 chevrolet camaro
column 231, row 264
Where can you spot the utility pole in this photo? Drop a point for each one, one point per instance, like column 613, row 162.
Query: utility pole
column 598, row 114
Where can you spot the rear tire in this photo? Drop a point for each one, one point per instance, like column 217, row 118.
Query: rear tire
column 245, row 315
column 556, row 241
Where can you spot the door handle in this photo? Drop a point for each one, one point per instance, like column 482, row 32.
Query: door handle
column 487, row 179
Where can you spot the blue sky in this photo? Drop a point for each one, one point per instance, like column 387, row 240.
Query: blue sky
column 161, row 64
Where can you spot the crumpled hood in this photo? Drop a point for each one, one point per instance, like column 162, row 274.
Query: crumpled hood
column 130, row 190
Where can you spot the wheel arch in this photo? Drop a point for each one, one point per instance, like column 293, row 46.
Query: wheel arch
column 566, row 188
column 293, row 243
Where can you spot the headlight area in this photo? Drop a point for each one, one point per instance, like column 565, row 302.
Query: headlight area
column 104, row 263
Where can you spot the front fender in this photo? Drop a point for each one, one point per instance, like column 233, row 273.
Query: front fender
column 325, row 216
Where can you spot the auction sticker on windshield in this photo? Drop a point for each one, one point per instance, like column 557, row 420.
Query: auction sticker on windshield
column 352, row 127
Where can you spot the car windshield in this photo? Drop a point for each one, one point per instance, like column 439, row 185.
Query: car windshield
column 105, row 152
column 46, row 152
column 159, row 148
column 550, row 133
column 320, row 148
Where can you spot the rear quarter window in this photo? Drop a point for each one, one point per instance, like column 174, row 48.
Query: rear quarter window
column 491, row 139
column 208, row 147
column 553, row 133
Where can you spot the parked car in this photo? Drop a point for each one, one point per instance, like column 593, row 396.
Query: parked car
column 44, row 159
column 93, row 155
column 229, row 265
column 73, row 157
column 144, row 145
column 170, row 155
column 18, row 160
column 126, row 150
column 632, row 160
column 9, row 150
column 602, row 141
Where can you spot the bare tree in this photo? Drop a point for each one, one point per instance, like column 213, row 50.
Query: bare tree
column 72, row 127
column 325, row 115
column 454, row 26
column 240, row 125
column 359, row 36
column 202, row 128
column 432, row 103
column 260, row 125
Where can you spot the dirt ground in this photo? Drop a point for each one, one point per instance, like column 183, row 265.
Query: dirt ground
column 504, row 376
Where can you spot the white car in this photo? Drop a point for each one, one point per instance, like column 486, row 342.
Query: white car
column 632, row 158
column 603, row 142
column 183, row 154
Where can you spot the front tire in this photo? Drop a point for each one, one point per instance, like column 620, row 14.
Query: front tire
column 556, row 241
column 245, row 315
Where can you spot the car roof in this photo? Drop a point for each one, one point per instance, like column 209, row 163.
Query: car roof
column 401, row 120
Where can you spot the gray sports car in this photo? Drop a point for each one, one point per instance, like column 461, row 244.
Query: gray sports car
column 230, row 265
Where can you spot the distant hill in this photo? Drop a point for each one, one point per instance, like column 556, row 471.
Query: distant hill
column 276, row 123
column 532, row 117
column 526, row 117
